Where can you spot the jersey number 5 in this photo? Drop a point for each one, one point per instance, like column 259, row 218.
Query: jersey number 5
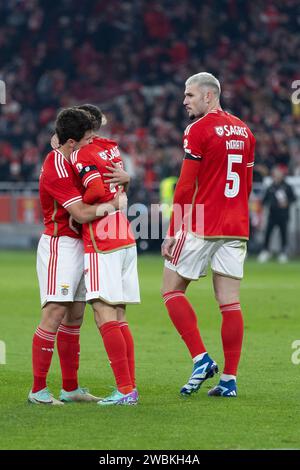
column 233, row 178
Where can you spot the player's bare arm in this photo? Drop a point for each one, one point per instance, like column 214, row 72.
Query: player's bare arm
column 84, row 213
column 74, row 225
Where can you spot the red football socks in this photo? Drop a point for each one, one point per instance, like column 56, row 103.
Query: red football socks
column 185, row 321
column 68, row 348
column 115, row 346
column 130, row 349
column 232, row 336
column 42, row 352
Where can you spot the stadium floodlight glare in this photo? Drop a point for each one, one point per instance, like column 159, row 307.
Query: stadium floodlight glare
column 2, row 92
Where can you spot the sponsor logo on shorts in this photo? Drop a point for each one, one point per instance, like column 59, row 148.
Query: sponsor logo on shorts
column 85, row 272
column 65, row 289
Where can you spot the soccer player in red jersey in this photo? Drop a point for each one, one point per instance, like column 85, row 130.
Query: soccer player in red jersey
column 60, row 262
column 111, row 277
column 210, row 224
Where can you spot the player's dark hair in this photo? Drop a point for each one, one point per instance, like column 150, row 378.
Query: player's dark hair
column 72, row 123
column 96, row 114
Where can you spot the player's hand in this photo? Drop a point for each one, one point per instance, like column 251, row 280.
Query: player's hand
column 167, row 248
column 116, row 175
column 75, row 226
column 54, row 142
column 120, row 201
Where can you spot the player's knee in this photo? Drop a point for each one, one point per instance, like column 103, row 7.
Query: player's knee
column 73, row 318
column 75, row 313
column 168, row 286
column 220, row 296
column 104, row 312
column 226, row 291
column 225, row 298
column 53, row 315
column 163, row 290
column 121, row 313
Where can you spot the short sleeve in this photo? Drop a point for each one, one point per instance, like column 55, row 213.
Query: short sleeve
column 83, row 163
column 193, row 142
column 62, row 185
column 251, row 157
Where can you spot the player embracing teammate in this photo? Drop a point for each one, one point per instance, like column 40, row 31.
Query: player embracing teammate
column 111, row 277
column 60, row 267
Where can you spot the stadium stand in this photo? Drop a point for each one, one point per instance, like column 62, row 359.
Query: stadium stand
column 132, row 58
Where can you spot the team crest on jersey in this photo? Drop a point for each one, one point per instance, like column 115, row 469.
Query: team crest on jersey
column 79, row 166
column 65, row 289
column 103, row 155
column 219, row 131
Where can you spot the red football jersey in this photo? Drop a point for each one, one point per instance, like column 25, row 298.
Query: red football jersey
column 217, row 174
column 59, row 188
column 111, row 232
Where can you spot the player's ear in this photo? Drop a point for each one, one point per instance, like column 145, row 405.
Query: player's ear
column 71, row 143
column 208, row 96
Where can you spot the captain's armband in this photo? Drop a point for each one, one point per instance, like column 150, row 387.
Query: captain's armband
column 87, row 169
column 189, row 156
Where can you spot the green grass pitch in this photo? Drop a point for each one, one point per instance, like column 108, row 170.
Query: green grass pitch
column 265, row 415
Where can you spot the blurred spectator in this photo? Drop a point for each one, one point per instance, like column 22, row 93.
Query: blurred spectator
column 279, row 197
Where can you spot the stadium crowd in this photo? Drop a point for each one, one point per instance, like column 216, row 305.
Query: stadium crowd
column 132, row 59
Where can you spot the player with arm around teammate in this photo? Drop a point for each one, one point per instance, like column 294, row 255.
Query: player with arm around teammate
column 60, row 262
column 110, row 261
column 214, row 184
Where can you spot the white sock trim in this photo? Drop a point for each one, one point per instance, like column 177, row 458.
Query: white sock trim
column 227, row 377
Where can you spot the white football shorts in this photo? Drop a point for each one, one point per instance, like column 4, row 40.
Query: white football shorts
column 112, row 277
column 192, row 255
column 60, row 264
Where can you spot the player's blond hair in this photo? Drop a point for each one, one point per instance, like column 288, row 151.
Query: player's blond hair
column 205, row 79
